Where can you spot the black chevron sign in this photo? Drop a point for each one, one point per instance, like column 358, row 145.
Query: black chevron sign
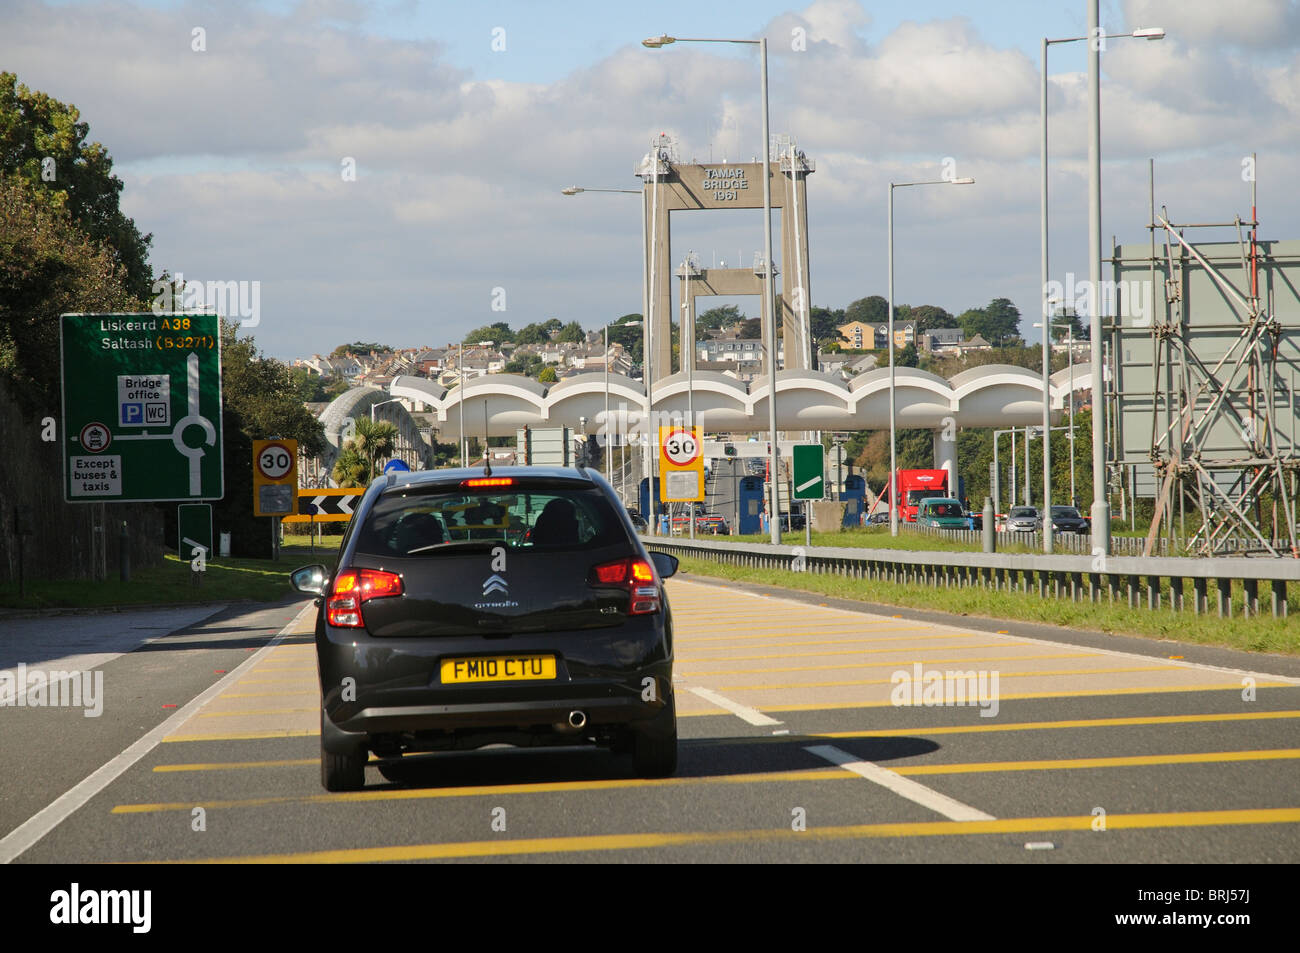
column 326, row 505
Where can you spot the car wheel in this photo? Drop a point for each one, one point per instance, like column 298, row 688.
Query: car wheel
column 342, row 772
column 654, row 749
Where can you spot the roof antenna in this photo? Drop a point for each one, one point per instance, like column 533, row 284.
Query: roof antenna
column 487, row 457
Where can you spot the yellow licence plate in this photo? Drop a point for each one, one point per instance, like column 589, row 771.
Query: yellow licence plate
column 498, row 668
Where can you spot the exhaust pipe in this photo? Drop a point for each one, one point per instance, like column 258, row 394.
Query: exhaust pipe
column 577, row 719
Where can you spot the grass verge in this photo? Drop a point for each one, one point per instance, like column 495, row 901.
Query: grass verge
column 1255, row 634
column 226, row 580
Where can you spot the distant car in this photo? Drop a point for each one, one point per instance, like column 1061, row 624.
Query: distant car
column 712, row 523
column 1066, row 519
column 942, row 513
column 637, row 519
column 1024, row 519
column 875, row 519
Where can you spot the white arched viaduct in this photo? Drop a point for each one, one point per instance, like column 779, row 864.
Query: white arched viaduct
column 994, row 395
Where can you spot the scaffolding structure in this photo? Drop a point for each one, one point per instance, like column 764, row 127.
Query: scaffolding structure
column 1222, row 403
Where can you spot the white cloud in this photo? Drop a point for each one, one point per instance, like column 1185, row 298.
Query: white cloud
column 459, row 177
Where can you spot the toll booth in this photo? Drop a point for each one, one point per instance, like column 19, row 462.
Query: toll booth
column 648, row 512
column 854, row 495
column 749, row 505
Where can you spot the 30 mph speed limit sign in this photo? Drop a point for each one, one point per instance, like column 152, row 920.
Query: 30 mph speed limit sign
column 275, row 461
column 681, row 464
column 275, row 477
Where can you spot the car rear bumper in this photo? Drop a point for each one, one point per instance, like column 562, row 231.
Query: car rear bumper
column 615, row 677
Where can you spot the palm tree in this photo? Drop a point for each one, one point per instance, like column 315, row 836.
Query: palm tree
column 371, row 441
column 351, row 469
column 374, row 440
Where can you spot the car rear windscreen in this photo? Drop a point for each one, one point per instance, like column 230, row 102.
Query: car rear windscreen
column 431, row 522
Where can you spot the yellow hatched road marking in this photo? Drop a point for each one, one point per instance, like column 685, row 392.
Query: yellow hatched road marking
column 314, row 691
column 1131, row 761
column 253, row 711
column 1050, row 725
column 488, row 790
column 606, row 842
column 1003, row 696
column 247, row 735
column 687, row 657
column 888, row 681
column 905, row 643
column 907, row 662
column 234, row 765
column 742, row 638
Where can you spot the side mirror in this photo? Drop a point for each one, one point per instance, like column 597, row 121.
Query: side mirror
column 309, row 580
column 665, row 565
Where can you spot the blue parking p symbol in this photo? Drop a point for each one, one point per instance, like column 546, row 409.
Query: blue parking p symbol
column 132, row 413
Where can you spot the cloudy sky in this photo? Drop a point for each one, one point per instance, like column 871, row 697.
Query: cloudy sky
column 464, row 121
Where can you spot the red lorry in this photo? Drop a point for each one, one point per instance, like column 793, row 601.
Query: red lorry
column 913, row 487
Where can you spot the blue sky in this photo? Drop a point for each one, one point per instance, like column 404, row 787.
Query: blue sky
column 231, row 156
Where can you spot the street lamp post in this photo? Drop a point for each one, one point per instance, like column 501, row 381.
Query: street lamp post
column 575, row 190
column 460, row 385
column 655, row 43
column 893, row 429
column 1100, row 504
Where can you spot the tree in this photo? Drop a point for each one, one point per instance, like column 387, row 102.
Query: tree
column 929, row 317
column 751, row 328
column 823, row 324
column 496, row 333
column 358, row 347
column 907, row 357
column 524, row 364
column 1064, row 323
column 872, row 310
column 715, row 319
column 373, row 440
column 547, row 376
column 48, row 266
column 571, row 333
column 630, row 338
column 309, row 387
column 43, row 142
column 537, row 332
column 261, row 391
column 351, row 468
column 335, row 386
column 998, row 320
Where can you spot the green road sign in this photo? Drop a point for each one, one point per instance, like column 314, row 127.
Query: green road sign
column 194, row 529
column 809, row 472
column 141, row 407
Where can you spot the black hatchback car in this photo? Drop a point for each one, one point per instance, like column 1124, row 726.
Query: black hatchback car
column 470, row 608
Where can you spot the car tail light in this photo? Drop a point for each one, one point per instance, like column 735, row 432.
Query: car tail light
column 636, row 576
column 487, row 481
column 352, row 588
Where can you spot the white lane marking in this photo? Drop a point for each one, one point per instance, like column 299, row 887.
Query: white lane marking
column 803, row 486
column 905, row 787
column 751, row 715
column 1029, row 640
column 27, row 834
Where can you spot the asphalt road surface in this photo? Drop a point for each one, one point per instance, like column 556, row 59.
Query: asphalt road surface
column 793, row 748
